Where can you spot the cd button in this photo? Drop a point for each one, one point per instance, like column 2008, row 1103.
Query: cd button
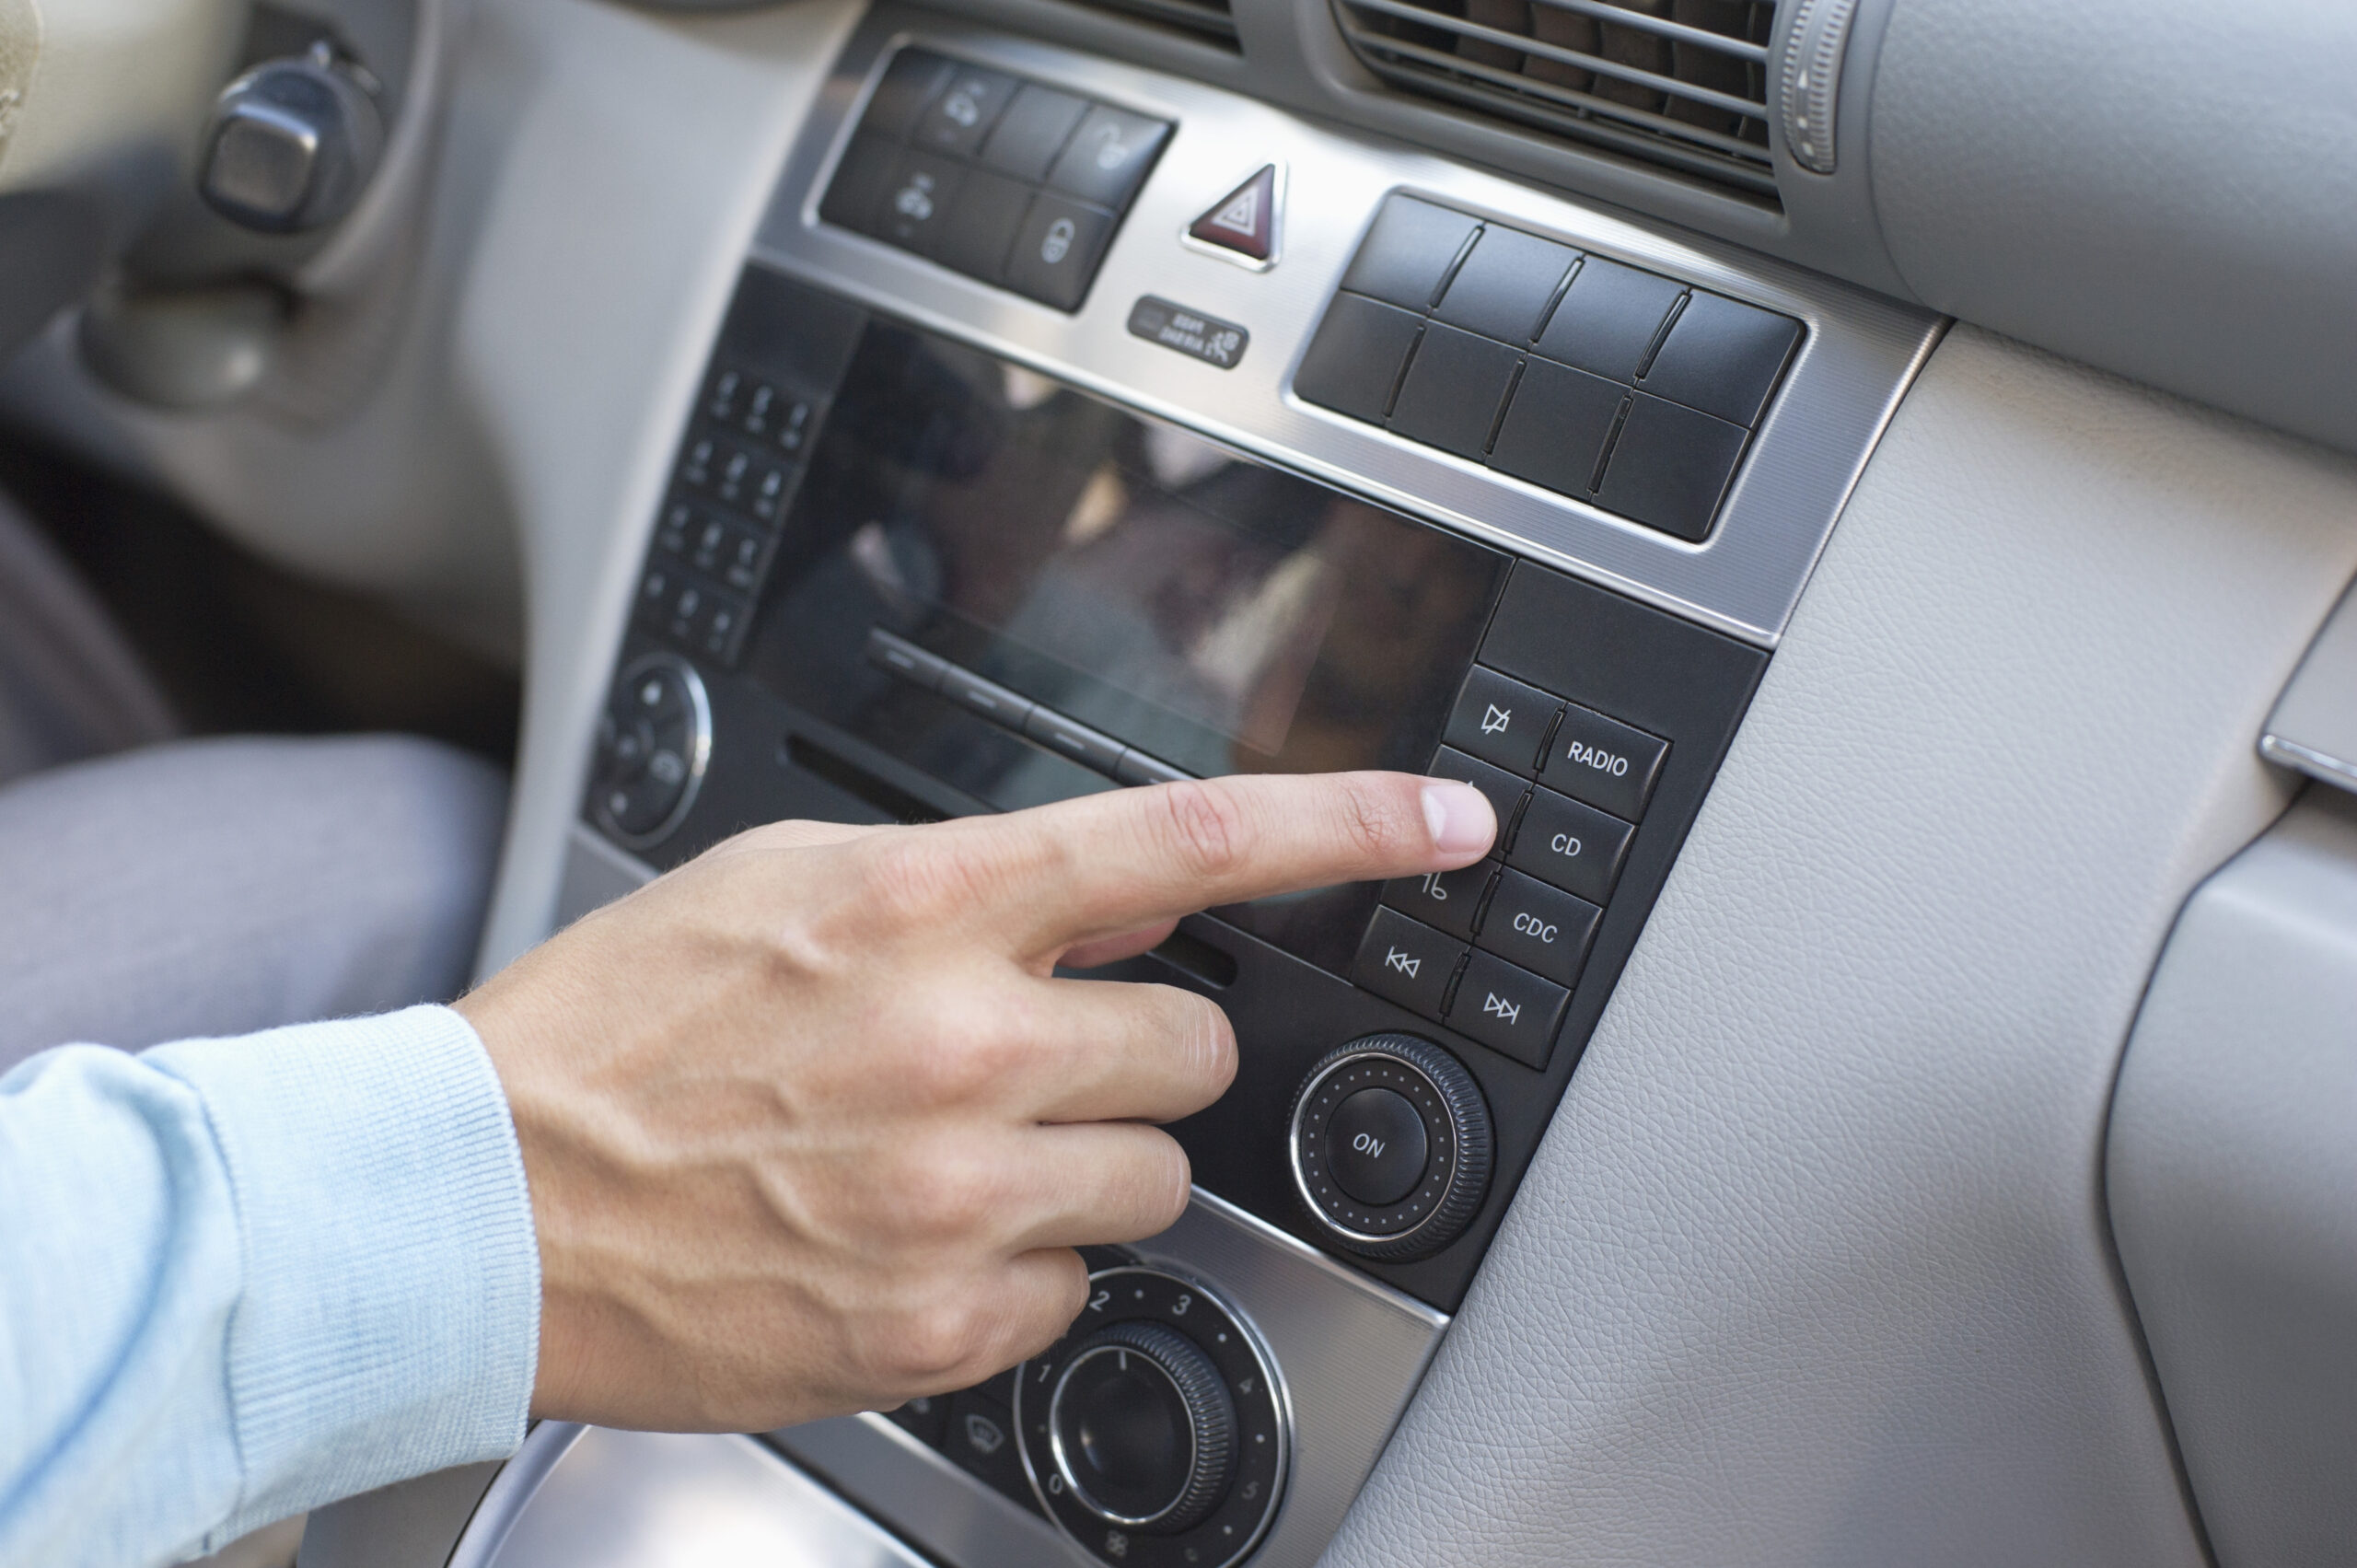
column 1575, row 847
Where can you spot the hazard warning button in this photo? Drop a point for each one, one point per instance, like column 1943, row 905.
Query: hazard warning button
column 1245, row 220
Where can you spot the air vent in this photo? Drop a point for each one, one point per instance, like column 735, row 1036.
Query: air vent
column 1204, row 19
column 1677, row 82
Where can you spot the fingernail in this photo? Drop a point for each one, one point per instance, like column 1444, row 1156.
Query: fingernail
column 1460, row 817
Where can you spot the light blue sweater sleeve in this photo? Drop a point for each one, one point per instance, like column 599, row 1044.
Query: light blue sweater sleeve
column 239, row 1278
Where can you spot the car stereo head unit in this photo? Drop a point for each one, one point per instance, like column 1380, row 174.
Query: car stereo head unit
column 898, row 578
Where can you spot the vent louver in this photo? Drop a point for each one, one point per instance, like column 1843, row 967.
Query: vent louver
column 1204, row 19
column 1677, row 82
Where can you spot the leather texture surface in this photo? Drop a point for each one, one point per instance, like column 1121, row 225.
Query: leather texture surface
column 2160, row 187
column 1812, row 1267
column 2233, row 1181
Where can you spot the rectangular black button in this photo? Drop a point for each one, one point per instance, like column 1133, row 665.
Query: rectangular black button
column 1670, row 467
column 916, row 201
column 904, row 658
column 981, row 224
column 1503, row 286
column 908, row 85
column 857, row 188
column 963, row 111
column 1501, row 720
column 1722, row 356
column 1033, row 131
column 1447, row 900
column 1575, row 847
column 1510, row 1010
column 1070, row 737
column 1543, row 929
column 1455, row 383
column 1406, row 257
column 1607, row 318
column 1353, row 363
column 1505, row 790
column 1604, row 762
column 1056, row 251
column 1554, row 429
column 1406, row 961
column 1190, row 332
column 993, row 701
column 1108, row 156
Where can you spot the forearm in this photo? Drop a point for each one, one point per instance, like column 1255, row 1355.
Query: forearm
column 238, row 1278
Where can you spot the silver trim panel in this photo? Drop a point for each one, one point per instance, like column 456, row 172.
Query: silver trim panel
column 2314, row 726
column 1860, row 353
column 1351, row 1352
column 592, row 1498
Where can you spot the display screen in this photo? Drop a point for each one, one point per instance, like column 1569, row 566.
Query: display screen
column 1220, row 614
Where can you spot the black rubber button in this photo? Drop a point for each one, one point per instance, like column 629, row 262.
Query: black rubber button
column 908, row 85
column 1543, row 929
column 1508, row 1009
column 963, row 111
column 1554, row 430
column 1575, row 847
column 1455, row 383
column 857, row 188
column 1608, row 318
column 1376, row 1147
column 1407, row 961
column 1107, row 156
column 1501, row 720
column 1056, row 251
column 1033, row 131
column 981, row 226
column 1504, row 285
column 1506, row 790
column 1723, row 358
column 917, row 200
column 1353, row 363
column 1604, row 762
column 1447, row 901
column 1670, row 467
column 1406, row 256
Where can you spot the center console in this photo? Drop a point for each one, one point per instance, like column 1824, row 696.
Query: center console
column 1075, row 428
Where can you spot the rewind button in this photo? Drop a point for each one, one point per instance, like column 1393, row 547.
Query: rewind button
column 1407, row 962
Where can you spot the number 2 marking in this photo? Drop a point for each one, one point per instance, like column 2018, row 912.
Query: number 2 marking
column 1097, row 1303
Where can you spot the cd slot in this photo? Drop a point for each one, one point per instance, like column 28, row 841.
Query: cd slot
column 1036, row 722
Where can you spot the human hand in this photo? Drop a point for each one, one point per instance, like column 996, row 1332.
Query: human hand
column 809, row 1125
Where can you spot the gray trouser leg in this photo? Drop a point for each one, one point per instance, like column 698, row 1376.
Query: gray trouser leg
column 220, row 886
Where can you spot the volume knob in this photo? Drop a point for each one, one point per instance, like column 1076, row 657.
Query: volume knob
column 1391, row 1146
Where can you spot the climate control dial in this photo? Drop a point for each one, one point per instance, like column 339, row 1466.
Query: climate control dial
column 1153, row 1431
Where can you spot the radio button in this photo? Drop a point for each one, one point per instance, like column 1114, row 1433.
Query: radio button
column 1407, row 962
column 1543, row 929
column 1504, row 791
column 1501, row 720
column 1508, row 1009
column 1575, row 847
column 1604, row 762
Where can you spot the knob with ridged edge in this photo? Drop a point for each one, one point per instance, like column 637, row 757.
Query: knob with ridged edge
column 1391, row 1146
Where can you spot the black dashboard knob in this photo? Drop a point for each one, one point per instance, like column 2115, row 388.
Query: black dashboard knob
column 1391, row 1146
column 1143, row 1429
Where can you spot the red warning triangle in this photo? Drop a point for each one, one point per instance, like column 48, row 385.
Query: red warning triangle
column 1245, row 220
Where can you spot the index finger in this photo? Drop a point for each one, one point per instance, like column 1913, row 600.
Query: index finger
column 1113, row 862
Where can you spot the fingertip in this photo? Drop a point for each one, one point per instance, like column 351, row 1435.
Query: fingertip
column 1460, row 820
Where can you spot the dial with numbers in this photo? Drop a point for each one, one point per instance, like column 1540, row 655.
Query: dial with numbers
column 1153, row 1430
